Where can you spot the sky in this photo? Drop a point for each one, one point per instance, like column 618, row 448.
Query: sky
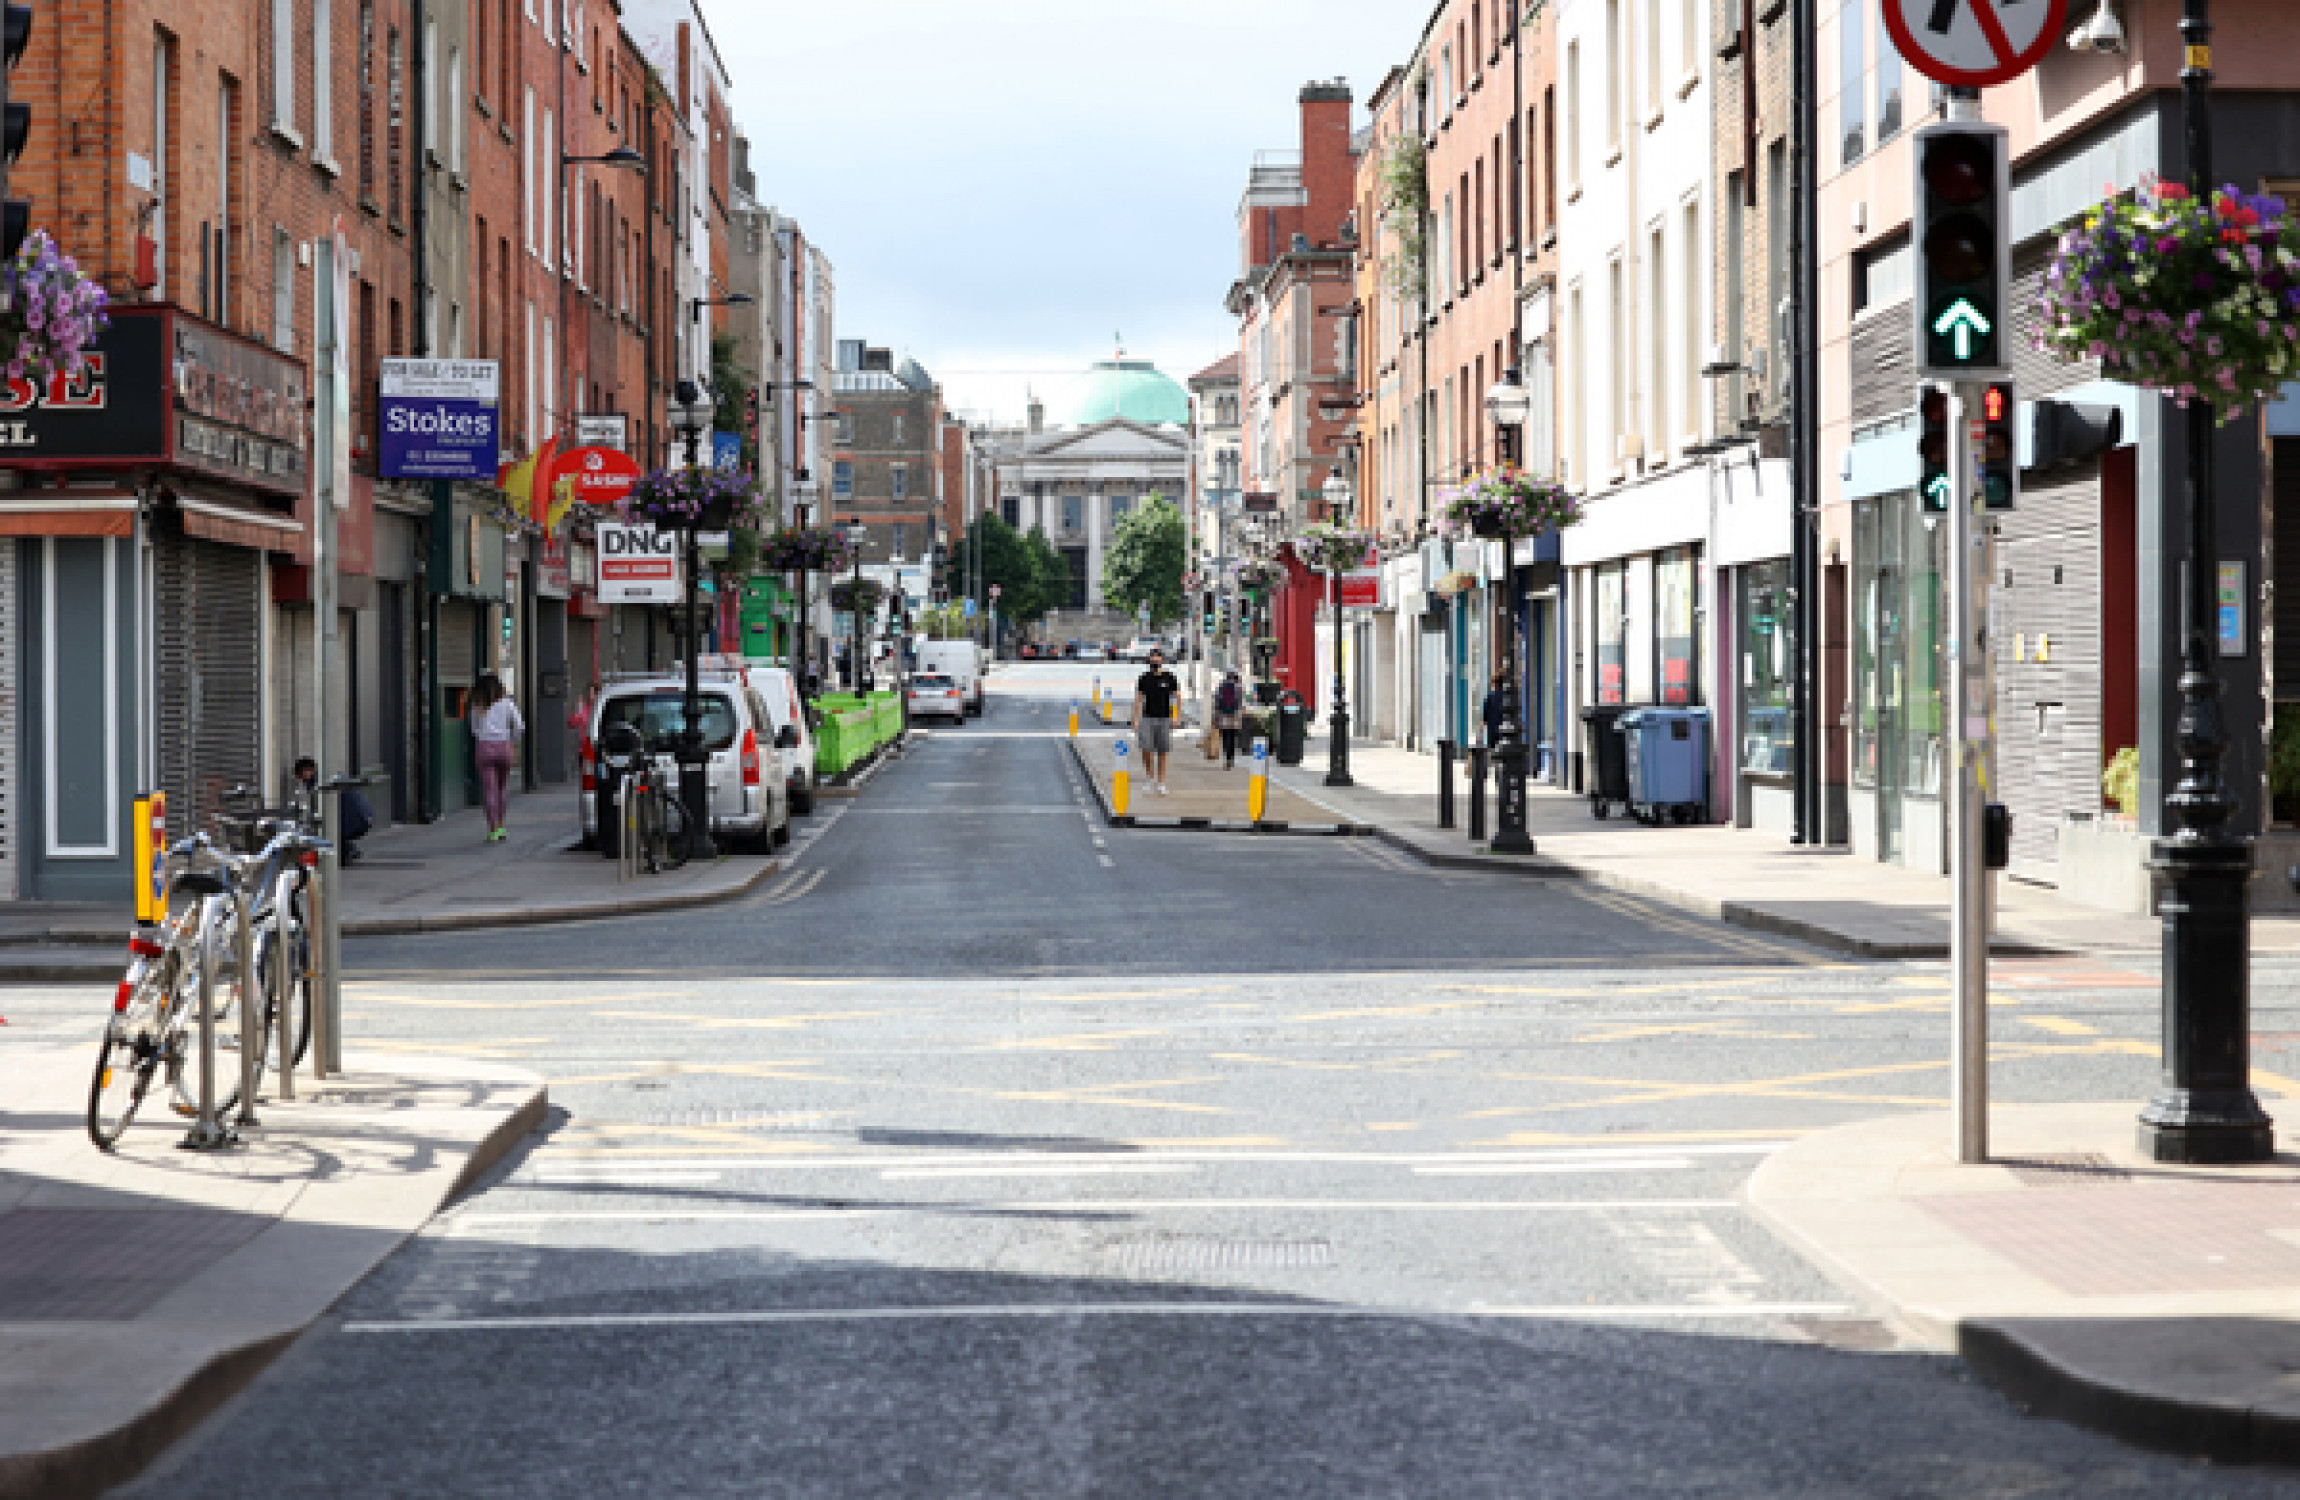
column 1007, row 187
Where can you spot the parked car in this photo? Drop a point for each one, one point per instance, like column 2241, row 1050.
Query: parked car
column 957, row 659
column 1141, row 646
column 1092, row 651
column 750, row 800
column 794, row 736
column 934, row 694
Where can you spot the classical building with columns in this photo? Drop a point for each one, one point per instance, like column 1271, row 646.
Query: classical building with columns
column 1120, row 435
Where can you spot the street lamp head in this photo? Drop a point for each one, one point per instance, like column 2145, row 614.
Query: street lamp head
column 1508, row 404
column 690, row 409
column 1337, row 493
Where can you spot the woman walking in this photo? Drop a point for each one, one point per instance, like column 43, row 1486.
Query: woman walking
column 495, row 729
column 1229, row 705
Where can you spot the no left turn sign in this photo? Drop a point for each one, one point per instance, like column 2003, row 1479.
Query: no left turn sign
column 1974, row 43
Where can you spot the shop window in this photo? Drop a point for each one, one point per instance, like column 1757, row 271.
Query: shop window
column 1676, row 646
column 1612, row 634
column 1768, row 740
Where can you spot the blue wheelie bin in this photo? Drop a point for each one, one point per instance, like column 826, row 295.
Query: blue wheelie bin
column 1668, row 756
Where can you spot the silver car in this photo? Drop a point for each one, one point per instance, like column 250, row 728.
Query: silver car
column 749, row 794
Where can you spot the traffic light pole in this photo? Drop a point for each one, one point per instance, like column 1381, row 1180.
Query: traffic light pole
column 1971, row 694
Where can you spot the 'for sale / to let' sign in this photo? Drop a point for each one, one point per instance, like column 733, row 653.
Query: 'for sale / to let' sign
column 638, row 565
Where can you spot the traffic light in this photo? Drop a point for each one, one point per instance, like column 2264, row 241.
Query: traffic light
column 1933, row 482
column 2000, row 454
column 1963, row 248
column 15, row 125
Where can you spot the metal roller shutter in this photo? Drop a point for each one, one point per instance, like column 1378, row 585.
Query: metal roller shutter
column 2048, row 711
column 209, row 644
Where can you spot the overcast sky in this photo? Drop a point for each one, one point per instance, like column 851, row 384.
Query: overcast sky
column 1004, row 186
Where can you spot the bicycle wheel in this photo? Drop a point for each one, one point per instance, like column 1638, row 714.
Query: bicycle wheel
column 235, row 1003
column 674, row 825
column 128, row 1056
column 647, row 827
column 300, row 970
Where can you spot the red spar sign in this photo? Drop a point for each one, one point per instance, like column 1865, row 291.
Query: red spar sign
column 1975, row 43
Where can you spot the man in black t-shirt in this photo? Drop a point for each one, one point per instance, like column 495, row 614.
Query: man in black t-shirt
column 1157, row 704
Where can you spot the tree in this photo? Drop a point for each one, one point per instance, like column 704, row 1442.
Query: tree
column 1006, row 561
column 1143, row 569
column 1050, row 577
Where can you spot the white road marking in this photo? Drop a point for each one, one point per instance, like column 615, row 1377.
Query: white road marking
column 470, row 1223
column 613, row 1179
column 1533, row 1168
column 1053, row 1310
column 1008, row 1158
column 1107, row 862
column 1082, row 1169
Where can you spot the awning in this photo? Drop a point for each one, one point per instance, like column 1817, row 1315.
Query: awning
column 68, row 513
column 235, row 527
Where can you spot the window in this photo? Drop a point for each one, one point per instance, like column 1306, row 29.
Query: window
column 1549, row 158
column 1736, row 286
column 322, row 80
column 1616, row 70
column 1882, row 277
column 1676, row 647
column 434, row 147
column 901, row 539
column 534, row 417
column 842, row 479
column 1445, row 81
column 1477, row 242
column 1689, row 39
column 1572, row 117
column 1777, row 260
column 163, row 93
column 1692, row 354
column 1011, row 508
column 1073, row 512
column 283, row 291
column 1541, row 387
column 1657, row 340
column 1514, row 216
column 898, row 476
column 1612, row 632
column 367, row 100
column 227, row 131
column 898, row 426
column 843, row 428
column 534, row 181
column 1762, row 615
column 1120, row 505
column 1852, row 86
column 455, row 115
column 1891, row 82
column 283, row 66
column 395, row 120
column 1654, row 88
column 1619, row 357
column 546, row 181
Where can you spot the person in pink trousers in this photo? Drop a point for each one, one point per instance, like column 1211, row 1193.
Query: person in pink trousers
column 495, row 731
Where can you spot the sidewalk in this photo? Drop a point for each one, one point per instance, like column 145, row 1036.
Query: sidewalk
column 1832, row 899
column 2159, row 1304
column 417, row 877
column 139, row 1289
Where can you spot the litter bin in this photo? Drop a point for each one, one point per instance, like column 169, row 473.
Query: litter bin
column 1668, row 763
column 1607, row 759
column 1293, row 727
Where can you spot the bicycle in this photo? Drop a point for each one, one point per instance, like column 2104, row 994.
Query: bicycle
column 158, row 1000
column 654, row 819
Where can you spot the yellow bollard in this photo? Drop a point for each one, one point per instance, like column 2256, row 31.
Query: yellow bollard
column 1120, row 796
column 1258, row 787
column 1074, row 718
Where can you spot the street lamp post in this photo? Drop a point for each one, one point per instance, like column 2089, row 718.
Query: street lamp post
column 2205, row 1112
column 1337, row 494
column 690, row 416
column 1508, row 405
column 857, row 534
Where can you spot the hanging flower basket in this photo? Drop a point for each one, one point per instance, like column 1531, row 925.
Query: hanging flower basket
column 1328, row 548
column 49, row 312
column 693, row 500
column 1260, row 575
column 812, row 549
column 1511, row 502
column 2197, row 299
column 857, row 595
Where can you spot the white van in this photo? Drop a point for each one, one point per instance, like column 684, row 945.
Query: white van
column 960, row 661
column 749, row 797
column 793, row 736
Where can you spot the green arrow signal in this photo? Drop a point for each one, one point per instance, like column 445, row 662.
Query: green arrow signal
column 1937, row 492
column 1964, row 322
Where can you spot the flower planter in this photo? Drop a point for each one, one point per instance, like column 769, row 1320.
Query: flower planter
column 1509, row 502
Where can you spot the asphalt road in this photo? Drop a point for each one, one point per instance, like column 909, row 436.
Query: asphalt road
column 991, row 1152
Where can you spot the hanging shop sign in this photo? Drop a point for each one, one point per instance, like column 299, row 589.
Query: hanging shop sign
column 437, row 419
column 598, row 476
column 603, row 430
column 1361, row 589
column 637, row 565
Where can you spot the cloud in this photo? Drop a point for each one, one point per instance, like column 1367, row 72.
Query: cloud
column 1001, row 184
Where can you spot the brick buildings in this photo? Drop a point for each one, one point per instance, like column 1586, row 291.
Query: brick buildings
column 222, row 170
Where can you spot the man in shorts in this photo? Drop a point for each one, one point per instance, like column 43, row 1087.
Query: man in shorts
column 1157, row 704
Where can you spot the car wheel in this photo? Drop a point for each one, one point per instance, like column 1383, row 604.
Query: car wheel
column 802, row 801
column 782, row 834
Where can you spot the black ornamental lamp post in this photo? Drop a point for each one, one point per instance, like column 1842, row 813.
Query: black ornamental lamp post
column 690, row 418
column 857, row 534
column 1507, row 405
column 2205, row 1112
column 1337, row 494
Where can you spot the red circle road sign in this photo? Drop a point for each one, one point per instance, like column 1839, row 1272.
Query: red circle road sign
column 1975, row 43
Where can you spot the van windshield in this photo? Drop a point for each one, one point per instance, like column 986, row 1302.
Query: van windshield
column 661, row 716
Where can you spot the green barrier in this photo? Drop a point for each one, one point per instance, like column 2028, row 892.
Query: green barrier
column 852, row 727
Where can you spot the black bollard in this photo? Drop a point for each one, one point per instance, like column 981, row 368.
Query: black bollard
column 1477, row 759
column 1445, row 783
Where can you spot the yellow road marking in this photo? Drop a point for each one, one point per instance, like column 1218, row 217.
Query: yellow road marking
column 741, row 1023
column 1729, row 1030
column 2060, row 1025
column 1389, row 1065
column 1083, row 1041
column 1376, row 1011
column 1640, row 1138
column 1393, row 1125
column 1799, row 1086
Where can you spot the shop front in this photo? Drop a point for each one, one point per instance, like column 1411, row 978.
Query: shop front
column 141, row 503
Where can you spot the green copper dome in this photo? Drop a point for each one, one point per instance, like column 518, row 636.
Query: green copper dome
column 1129, row 388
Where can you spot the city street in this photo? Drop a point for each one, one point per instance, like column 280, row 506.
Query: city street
column 988, row 1151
